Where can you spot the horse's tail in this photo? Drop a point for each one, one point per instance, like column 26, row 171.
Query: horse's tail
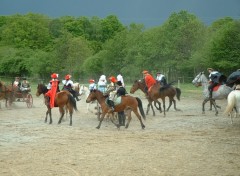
column 141, row 108
column 231, row 103
column 178, row 93
column 72, row 102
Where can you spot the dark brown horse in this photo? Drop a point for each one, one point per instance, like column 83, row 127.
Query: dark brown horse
column 6, row 92
column 139, row 84
column 157, row 92
column 127, row 102
column 62, row 99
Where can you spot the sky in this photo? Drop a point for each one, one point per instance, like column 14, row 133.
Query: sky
column 148, row 12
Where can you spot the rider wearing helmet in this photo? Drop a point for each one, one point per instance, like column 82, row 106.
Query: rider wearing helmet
column 215, row 78
column 68, row 85
column 92, row 85
column 111, row 92
column 53, row 88
column 149, row 80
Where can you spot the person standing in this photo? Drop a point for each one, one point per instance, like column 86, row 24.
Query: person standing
column 121, row 91
column 68, row 85
column 53, row 88
column 120, row 78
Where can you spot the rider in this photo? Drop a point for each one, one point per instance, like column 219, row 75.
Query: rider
column 53, row 88
column 68, row 85
column 120, row 78
column 17, row 83
column 161, row 78
column 215, row 78
column 25, row 87
column 149, row 80
column 102, row 83
column 121, row 91
column 110, row 92
column 92, row 85
column 234, row 79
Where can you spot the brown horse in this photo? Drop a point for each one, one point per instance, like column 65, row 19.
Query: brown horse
column 141, row 85
column 62, row 99
column 6, row 92
column 127, row 102
column 157, row 92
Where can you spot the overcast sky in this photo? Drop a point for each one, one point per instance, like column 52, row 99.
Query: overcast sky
column 148, row 12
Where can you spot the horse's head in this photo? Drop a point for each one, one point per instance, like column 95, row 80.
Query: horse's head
column 197, row 81
column 41, row 89
column 93, row 95
column 138, row 84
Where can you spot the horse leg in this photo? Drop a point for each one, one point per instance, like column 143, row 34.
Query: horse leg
column 215, row 106
column 203, row 105
column 111, row 118
column 152, row 109
column 163, row 99
column 174, row 103
column 129, row 120
column 139, row 117
column 170, row 104
column 61, row 110
column 50, row 115
column 46, row 116
column 156, row 102
column 101, row 119
column 70, row 113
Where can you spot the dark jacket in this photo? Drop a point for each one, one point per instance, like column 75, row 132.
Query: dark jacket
column 121, row 91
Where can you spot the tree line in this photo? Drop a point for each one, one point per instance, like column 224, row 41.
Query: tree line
column 34, row 45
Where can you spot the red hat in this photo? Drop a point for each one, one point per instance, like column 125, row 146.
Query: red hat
column 112, row 79
column 67, row 76
column 54, row 75
column 145, row 72
column 91, row 80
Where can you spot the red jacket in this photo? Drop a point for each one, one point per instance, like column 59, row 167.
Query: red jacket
column 149, row 80
column 52, row 92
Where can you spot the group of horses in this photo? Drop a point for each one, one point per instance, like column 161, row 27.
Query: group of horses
column 66, row 103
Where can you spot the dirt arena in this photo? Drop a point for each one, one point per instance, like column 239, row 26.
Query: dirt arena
column 182, row 143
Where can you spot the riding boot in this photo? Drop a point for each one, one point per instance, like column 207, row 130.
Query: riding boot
column 111, row 104
column 210, row 95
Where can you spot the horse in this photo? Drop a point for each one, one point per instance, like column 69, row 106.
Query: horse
column 84, row 91
column 126, row 102
column 6, row 92
column 220, row 92
column 157, row 92
column 62, row 99
column 233, row 102
column 76, row 87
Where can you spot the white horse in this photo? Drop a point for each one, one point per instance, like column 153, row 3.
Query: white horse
column 233, row 102
column 84, row 92
column 219, row 94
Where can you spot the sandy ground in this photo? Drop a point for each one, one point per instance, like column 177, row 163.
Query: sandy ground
column 182, row 143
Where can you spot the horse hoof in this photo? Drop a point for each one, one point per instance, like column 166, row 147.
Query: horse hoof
column 143, row 127
column 97, row 127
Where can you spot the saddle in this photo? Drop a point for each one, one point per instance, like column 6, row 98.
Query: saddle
column 216, row 87
column 116, row 101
